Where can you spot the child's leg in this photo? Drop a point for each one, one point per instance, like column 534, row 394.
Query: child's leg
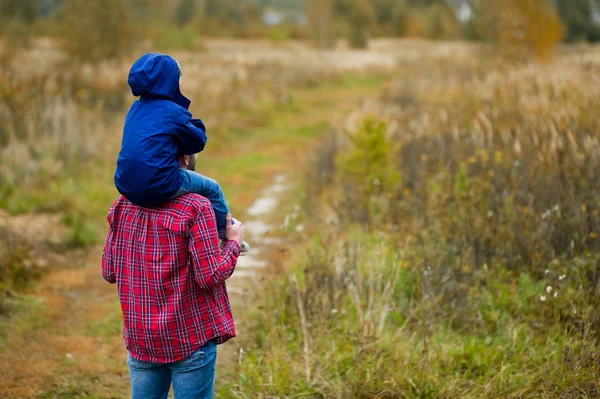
column 196, row 183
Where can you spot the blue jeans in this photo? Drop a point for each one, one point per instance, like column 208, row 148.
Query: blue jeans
column 192, row 377
column 196, row 183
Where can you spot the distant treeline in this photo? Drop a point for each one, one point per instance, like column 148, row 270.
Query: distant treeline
column 546, row 21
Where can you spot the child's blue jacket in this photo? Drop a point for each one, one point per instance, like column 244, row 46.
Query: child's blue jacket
column 158, row 129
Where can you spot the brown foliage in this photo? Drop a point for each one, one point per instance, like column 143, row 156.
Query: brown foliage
column 519, row 28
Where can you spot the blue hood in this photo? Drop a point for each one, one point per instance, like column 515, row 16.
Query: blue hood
column 157, row 76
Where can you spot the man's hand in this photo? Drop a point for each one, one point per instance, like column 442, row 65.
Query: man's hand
column 234, row 231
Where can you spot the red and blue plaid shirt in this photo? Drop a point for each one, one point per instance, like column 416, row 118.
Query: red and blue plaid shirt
column 170, row 273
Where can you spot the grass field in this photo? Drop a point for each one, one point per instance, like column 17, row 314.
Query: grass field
column 70, row 321
column 449, row 243
column 440, row 238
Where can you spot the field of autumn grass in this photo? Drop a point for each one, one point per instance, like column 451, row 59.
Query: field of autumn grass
column 441, row 236
column 61, row 126
column 450, row 234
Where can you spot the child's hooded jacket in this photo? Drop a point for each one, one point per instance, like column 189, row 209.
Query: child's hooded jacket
column 158, row 129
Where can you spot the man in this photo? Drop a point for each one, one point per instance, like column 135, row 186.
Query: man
column 170, row 272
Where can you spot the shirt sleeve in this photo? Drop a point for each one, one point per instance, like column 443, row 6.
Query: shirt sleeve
column 212, row 265
column 192, row 135
column 108, row 268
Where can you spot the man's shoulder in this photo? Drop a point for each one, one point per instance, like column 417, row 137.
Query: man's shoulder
column 187, row 206
column 182, row 202
column 191, row 201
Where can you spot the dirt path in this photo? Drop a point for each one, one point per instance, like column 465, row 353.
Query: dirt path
column 68, row 344
column 59, row 349
column 69, row 347
column 251, row 268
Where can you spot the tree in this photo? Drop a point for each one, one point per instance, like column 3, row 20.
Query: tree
column 399, row 18
column 97, row 30
column 185, row 12
column 320, row 15
column 518, row 28
column 211, row 8
column 360, row 17
column 577, row 16
column 442, row 22
column 46, row 8
column 383, row 10
column 23, row 10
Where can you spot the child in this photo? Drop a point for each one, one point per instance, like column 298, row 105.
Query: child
column 158, row 130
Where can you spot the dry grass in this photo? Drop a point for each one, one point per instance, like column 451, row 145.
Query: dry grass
column 56, row 115
column 457, row 249
column 250, row 142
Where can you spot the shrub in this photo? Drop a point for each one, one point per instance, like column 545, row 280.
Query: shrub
column 367, row 174
column 97, row 30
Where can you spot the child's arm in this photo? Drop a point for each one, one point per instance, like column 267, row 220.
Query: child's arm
column 191, row 134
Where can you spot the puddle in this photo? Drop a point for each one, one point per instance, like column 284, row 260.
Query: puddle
column 263, row 206
column 251, row 262
column 249, row 268
column 255, row 229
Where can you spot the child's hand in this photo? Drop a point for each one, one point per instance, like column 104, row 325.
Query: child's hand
column 234, row 231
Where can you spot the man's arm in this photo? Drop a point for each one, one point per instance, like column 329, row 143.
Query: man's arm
column 108, row 268
column 212, row 266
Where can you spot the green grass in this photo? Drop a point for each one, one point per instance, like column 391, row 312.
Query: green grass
column 70, row 390
column 107, row 327
column 431, row 278
column 365, row 349
column 22, row 316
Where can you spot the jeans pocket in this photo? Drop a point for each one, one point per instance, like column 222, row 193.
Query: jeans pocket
column 196, row 359
column 138, row 364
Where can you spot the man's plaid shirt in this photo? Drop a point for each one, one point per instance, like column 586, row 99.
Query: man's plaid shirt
column 170, row 273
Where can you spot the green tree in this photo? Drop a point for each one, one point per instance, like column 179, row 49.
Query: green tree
column 577, row 16
column 360, row 17
column 23, row 10
column 383, row 10
column 399, row 18
column 185, row 12
column 367, row 172
column 211, row 8
column 97, row 30
column 320, row 16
